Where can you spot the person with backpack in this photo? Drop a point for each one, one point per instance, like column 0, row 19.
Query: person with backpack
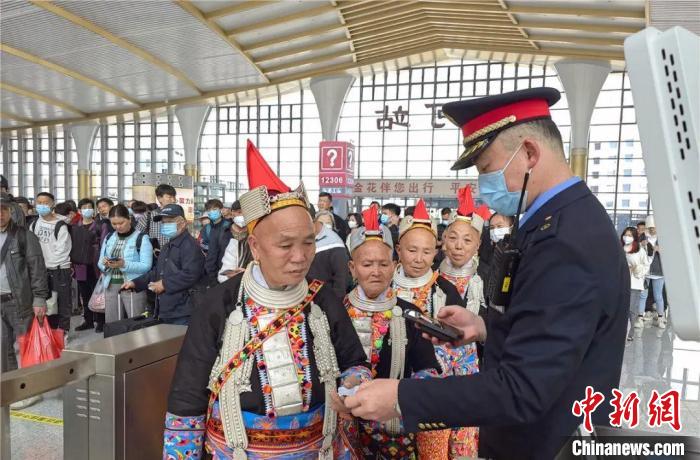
column 176, row 274
column 126, row 254
column 165, row 194
column 54, row 236
column 85, row 238
column 211, row 236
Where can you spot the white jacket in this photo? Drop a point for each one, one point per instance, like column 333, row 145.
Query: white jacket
column 229, row 261
column 638, row 263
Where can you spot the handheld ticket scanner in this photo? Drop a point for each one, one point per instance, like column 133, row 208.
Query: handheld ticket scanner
column 504, row 266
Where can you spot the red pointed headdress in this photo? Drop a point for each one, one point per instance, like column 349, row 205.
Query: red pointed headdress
column 371, row 230
column 370, row 217
column 467, row 211
column 267, row 193
column 420, row 219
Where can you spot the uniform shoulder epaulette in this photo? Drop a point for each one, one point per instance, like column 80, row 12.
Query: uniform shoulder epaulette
column 547, row 229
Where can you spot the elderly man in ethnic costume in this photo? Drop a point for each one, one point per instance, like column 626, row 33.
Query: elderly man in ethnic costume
column 416, row 283
column 394, row 347
column 263, row 358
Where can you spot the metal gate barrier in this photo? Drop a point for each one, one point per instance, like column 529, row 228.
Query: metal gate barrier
column 114, row 397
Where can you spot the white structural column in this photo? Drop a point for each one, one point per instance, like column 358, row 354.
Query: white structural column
column 330, row 93
column 582, row 81
column 191, row 119
column 84, row 137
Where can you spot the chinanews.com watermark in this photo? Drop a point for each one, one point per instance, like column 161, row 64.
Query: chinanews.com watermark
column 661, row 410
column 609, row 448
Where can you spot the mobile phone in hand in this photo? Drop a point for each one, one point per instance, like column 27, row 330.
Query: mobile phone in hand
column 433, row 327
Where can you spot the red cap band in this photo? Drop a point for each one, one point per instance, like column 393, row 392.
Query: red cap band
column 523, row 110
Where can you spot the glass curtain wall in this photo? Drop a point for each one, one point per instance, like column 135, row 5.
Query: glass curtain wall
column 393, row 119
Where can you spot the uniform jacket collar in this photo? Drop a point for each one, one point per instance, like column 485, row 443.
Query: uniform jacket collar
column 558, row 201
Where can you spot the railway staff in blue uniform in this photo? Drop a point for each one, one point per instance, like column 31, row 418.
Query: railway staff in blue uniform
column 565, row 325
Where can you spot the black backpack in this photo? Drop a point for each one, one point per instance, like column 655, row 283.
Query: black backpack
column 84, row 245
column 139, row 239
column 56, row 229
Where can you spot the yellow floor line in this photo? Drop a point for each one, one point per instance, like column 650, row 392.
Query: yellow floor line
column 37, row 418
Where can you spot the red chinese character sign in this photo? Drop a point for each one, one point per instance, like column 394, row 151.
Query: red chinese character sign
column 336, row 168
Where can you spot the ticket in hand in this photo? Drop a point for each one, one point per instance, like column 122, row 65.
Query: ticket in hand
column 344, row 391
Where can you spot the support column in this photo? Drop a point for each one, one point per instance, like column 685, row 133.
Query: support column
column 582, row 81
column 329, row 94
column 192, row 119
column 84, row 137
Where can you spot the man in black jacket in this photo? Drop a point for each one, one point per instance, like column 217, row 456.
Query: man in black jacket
column 331, row 261
column 325, row 203
column 179, row 268
column 23, row 282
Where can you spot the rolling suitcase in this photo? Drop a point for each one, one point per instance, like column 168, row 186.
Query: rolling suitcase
column 130, row 324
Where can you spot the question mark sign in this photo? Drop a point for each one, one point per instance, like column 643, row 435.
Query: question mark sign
column 332, row 155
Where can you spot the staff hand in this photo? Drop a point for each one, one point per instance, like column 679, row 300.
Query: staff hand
column 375, row 400
column 472, row 326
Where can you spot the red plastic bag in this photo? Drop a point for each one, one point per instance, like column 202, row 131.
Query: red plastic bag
column 40, row 344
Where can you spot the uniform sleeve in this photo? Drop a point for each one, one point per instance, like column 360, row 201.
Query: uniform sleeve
column 551, row 329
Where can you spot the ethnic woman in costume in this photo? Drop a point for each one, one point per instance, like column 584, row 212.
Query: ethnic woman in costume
column 393, row 346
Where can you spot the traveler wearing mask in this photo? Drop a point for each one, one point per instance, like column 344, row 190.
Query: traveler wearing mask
column 331, row 261
column 656, row 275
column 54, row 237
column 445, row 215
column 211, row 238
column 87, row 235
column 355, row 221
column 165, row 194
column 639, row 267
column 179, row 267
column 391, row 217
column 237, row 255
column 126, row 254
column 499, row 226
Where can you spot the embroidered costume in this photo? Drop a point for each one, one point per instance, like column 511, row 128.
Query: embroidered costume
column 429, row 293
column 258, row 364
column 394, row 348
column 464, row 441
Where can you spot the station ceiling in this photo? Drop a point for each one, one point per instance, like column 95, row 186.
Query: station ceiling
column 70, row 61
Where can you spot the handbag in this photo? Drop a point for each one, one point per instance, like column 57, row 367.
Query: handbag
column 97, row 299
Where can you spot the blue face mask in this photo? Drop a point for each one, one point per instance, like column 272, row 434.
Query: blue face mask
column 168, row 229
column 214, row 214
column 43, row 209
column 493, row 190
column 384, row 219
column 87, row 213
column 131, row 211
